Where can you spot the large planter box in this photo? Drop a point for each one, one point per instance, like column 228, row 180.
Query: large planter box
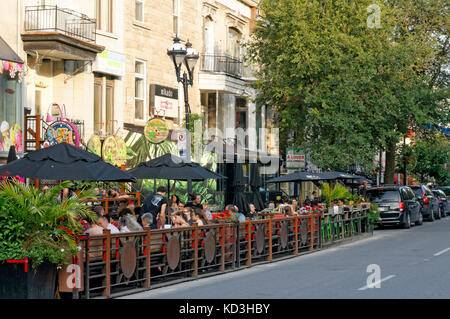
column 16, row 283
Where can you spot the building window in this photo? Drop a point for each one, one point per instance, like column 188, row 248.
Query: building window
column 11, row 112
column 241, row 113
column 139, row 12
column 209, row 36
column 109, row 106
column 104, row 104
column 176, row 14
column 104, row 15
column 234, row 43
column 139, row 96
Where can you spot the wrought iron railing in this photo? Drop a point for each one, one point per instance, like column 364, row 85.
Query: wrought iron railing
column 222, row 64
column 54, row 19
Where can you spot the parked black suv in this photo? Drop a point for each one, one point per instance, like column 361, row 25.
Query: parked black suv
column 429, row 203
column 445, row 189
column 397, row 205
column 444, row 202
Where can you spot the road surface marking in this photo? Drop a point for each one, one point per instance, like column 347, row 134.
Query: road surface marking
column 376, row 283
column 442, row 252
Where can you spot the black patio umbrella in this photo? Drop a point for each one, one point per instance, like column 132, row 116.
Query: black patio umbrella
column 299, row 176
column 239, row 198
column 12, row 156
column 65, row 162
column 255, row 184
column 172, row 167
column 334, row 175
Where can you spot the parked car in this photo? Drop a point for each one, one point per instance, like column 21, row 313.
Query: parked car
column 445, row 189
column 429, row 203
column 444, row 202
column 397, row 205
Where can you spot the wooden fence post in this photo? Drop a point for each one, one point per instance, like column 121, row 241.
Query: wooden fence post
column 270, row 239
column 195, row 273
column 312, row 232
column 249, row 234
column 148, row 264
column 224, row 236
column 296, row 235
column 107, row 291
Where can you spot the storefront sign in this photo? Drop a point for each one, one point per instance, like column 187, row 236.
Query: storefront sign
column 110, row 63
column 61, row 131
column 164, row 100
column 295, row 160
column 156, row 131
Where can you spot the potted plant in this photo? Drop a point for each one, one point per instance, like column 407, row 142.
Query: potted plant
column 38, row 233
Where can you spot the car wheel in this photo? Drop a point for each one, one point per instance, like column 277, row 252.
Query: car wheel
column 407, row 223
column 431, row 217
column 420, row 221
column 443, row 214
column 438, row 215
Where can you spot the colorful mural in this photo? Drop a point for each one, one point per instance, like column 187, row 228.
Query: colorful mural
column 10, row 137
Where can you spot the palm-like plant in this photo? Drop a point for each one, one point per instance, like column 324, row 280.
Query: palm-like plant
column 339, row 192
column 48, row 226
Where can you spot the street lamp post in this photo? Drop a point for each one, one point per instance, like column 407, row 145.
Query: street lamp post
column 189, row 56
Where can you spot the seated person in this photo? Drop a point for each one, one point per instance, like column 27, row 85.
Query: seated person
column 147, row 221
column 105, row 224
column 196, row 217
column 179, row 220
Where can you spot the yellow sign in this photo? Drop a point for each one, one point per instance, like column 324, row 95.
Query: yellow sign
column 156, row 131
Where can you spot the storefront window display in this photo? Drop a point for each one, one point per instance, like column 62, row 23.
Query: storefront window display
column 11, row 110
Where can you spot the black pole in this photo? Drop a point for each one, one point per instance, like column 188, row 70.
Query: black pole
column 185, row 82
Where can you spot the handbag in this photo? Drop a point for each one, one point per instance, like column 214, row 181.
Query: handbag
column 50, row 118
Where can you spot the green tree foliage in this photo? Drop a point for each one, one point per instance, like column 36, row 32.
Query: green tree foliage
column 344, row 88
column 430, row 158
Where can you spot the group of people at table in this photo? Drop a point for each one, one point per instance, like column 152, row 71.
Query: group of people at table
column 160, row 212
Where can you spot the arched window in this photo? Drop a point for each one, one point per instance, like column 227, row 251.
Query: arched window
column 234, row 43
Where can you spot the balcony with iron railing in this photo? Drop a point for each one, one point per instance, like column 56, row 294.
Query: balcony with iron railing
column 60, row 33
column 222, row 63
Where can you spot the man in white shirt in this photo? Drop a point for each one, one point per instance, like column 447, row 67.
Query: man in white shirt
column 105, row 224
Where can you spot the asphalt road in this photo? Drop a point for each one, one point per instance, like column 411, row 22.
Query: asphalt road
column 413, row 263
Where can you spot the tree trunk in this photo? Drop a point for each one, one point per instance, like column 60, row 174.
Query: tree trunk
column 390, row 164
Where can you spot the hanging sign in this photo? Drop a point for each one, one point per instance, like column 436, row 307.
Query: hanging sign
column 109, row 150
column 156, row 131
column 61, row 131
column 164, row 99
column 295, row 160
column 95, row 145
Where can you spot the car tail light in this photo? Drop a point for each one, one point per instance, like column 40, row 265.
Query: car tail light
column 440, row 200
column 426, row 199
column 402, row 206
